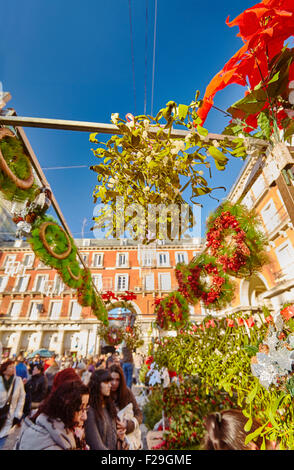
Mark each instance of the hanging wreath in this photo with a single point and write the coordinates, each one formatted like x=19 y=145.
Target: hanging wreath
x=55 y=248
x=235 y=240
x=172 y=312
x=17 y=180
x=203 y=280
x=112 y=335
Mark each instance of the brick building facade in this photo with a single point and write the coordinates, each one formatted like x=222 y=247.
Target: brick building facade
x=39 y=311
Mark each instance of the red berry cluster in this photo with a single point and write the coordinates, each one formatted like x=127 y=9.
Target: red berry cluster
x=216 y=242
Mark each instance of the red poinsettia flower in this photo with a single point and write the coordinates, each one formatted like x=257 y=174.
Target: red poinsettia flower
x=230 y=322
x=240 y=321
x=288 y=312
x=128 y=296
x=250 y=322
x=269 y=319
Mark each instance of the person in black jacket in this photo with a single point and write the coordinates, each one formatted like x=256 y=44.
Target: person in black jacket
x=36 y=389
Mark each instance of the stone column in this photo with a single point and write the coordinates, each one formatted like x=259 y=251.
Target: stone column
x=39 y=337
x=60 y=341
x=16 y=343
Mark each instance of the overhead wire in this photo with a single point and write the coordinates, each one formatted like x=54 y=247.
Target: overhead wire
x=146 y=58
x=154 y=53
x=133 y=57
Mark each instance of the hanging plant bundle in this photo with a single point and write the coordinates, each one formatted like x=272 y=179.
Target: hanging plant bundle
x=172 y=312
x=17 y=182
x=133 y=336
x=55 y=248
x=235 y=240
x=112 y=335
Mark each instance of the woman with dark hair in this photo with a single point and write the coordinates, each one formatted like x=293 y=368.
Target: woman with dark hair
x=122 y=396
x=102 y=426
x=53 y=425
x=225 y=431
x=12 y=394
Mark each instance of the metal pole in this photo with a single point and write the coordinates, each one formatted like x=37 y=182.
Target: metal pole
x=83 y=126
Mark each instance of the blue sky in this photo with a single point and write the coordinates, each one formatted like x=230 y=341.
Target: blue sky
x=72 y=60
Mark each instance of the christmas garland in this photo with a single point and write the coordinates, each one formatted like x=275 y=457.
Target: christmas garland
x=235 y=240
x=17 y=180
x=172 y=312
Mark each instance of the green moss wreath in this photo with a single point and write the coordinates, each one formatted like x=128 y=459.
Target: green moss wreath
x=172 y=312
x=52 y=253
x=16 y=175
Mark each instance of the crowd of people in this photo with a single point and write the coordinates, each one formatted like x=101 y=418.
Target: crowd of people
x=71 y=402
x=77 y=404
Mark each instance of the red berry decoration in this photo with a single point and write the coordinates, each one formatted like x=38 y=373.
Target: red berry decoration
x=172 y=312
x=235 y=240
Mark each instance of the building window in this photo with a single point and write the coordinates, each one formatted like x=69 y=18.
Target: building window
x=55 y=310
x=35 y=309
x=122 y=260
x=285 y=255
x=149 y=282
x=122 y=282
x=164 y=281
x=58 y=285
x=97 y=279
x=270 y=216
x=28 y=261
x=10 y=259
x=97 y=260
x=163 y=259
x=3 y=283
x=15 y=309
x=21 y=283
x=258 y=187
x=182 y=257
x=40 y=283
x=85 y=258
x=75 y=310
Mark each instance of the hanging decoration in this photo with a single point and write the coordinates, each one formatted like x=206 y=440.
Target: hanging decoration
x=17 y=182
x=203 y=280
x=172 y=312
x=112 y=335
x=235 y=240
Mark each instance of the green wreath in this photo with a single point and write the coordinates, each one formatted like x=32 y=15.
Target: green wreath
x=17 y=180
x=55 y=248
x=172 y=312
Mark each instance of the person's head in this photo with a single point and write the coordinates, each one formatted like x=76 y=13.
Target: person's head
x=68 y=402
x=37 y=369
x=65 y=375
x=7 y=368
x=118 y=384
x=37 y=358
x=100 y=388
x=20 y=358
x=225 y=431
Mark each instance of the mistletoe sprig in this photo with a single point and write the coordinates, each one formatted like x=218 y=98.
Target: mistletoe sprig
x=147 y=165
